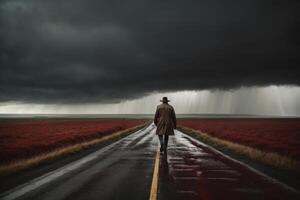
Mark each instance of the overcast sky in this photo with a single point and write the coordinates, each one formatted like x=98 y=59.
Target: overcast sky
x=70 y=52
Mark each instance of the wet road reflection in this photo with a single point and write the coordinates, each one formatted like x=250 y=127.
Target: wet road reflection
x=122 y=170
x=192 y=170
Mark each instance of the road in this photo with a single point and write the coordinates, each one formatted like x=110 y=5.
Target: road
x=125 y=170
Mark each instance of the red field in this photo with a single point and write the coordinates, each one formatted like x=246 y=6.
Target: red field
x=24 y=139
x=270 y=135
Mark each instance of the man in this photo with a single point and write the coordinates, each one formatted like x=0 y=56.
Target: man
x=165 y=120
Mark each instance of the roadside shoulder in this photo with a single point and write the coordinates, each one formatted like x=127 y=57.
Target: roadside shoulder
x=11 y=180
x=290 y=177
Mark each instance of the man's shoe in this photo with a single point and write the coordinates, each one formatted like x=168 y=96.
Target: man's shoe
x=161 y=149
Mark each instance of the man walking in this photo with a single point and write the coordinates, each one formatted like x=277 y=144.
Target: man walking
x=165 y=120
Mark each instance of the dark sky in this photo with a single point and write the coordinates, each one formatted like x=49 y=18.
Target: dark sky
x=75 y=51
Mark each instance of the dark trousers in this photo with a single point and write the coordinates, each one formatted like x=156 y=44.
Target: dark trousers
x=163 y=139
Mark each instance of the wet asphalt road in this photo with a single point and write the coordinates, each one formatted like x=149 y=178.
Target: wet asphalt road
x=192 y=170
x=124 y=170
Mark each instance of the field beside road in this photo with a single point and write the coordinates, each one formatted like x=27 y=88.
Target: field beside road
x=275 y=142
x=271 y=135
x=21 y=140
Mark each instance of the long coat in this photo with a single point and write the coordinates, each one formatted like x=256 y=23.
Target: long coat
x=165 y=119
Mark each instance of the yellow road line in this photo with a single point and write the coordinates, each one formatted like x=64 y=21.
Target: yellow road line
x=154 y=185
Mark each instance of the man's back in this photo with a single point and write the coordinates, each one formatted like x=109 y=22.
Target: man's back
x=165 y=118
x=165 y=111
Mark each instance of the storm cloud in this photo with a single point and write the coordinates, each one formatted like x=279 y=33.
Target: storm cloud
x=85 y=51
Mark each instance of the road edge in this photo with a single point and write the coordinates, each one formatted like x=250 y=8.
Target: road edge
x=14 y=179
x=35 y=183
x=241 y=161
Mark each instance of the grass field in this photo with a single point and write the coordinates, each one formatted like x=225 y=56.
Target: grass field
x=22 y=139
x=281 y=136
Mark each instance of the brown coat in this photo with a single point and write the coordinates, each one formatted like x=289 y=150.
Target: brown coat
x=165 y=119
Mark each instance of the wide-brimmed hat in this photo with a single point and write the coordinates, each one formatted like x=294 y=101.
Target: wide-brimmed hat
x=164 y=99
